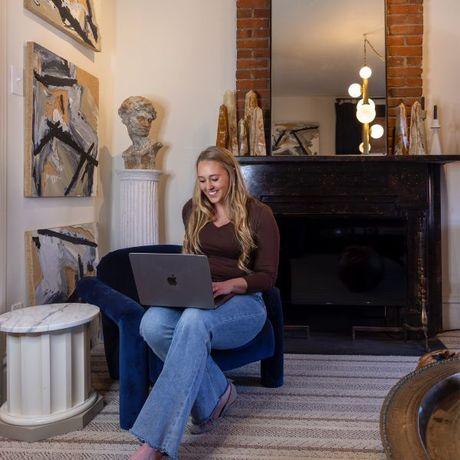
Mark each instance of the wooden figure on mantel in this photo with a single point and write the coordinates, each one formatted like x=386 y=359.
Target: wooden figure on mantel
x=253 y=117
x=401 y=138
x=138 y=113
x=246 y=138
x=222 y=127
x=417 y=138
x=230 y=104
x=227 y=134
x=243 y=143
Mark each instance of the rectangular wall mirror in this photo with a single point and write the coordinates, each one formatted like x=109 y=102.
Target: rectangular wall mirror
x=318 y=49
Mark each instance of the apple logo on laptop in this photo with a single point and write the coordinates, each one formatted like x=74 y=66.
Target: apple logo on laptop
x=172 y=280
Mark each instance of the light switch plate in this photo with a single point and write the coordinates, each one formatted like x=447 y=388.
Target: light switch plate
x=16 y=81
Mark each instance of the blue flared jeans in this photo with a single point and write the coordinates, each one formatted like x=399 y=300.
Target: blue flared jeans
x=191 y=382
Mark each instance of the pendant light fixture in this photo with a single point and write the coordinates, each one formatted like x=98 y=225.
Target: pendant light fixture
x=365 y=108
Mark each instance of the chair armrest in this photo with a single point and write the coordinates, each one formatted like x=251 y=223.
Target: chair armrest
x=114 y=269
x=115 y=305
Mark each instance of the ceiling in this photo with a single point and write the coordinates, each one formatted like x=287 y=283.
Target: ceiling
x=317 y=46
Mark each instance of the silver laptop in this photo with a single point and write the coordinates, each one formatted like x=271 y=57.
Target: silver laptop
x=174 y=280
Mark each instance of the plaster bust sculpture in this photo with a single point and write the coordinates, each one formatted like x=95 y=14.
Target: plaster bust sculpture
x=138 y=113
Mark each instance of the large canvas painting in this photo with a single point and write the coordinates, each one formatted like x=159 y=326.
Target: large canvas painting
x=61 y=142
x=295 y=139
x=74 y=17
x=57 y=258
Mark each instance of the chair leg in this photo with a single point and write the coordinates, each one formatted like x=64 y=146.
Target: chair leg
x=272 y=371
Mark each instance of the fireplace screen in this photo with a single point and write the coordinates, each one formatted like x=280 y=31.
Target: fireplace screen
x=330 y=261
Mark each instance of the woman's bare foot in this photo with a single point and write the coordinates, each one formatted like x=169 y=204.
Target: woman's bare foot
x=145 y=452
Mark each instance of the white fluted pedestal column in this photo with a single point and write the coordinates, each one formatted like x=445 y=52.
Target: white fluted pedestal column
x=49 y=388
x=138 y=207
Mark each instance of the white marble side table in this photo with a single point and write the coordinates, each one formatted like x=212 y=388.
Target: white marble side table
x=48 y=371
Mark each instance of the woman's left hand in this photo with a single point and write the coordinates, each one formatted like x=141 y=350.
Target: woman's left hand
x=235 y=285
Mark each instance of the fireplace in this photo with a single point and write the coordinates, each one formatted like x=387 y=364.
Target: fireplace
x=340 y=272
x=343 y=261
x=360 y=236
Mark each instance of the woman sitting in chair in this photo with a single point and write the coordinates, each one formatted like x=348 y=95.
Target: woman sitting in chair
x=240 y=237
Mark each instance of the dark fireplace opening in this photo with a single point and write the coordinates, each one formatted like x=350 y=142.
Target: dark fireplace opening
x=339 y=272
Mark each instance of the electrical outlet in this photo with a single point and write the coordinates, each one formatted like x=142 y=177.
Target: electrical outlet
x=16 y=81
x=16 y=306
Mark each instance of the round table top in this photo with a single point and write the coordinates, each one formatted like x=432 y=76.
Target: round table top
x=45 y=318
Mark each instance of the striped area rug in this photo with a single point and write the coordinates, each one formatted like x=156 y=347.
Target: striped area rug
x=328 y=409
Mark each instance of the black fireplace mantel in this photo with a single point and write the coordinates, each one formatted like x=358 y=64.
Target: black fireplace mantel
x=434 y=159
x=375 y=186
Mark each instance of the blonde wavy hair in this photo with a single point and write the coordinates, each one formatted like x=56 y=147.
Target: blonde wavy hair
x=237 y=199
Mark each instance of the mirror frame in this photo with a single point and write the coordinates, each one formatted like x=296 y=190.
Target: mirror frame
x=403 y=52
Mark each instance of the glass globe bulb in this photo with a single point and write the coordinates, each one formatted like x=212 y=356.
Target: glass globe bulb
x=369 y=101
x=354 y=90
x=377 y=131
x=365 y=113
x=361 y=147
x=365 y=72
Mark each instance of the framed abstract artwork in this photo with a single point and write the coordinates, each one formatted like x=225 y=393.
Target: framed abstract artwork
x=300 y=138
x=61 y=141
x=57 y=258
x=76 y=18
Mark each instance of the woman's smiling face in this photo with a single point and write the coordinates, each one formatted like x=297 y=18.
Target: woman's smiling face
x=214 y=180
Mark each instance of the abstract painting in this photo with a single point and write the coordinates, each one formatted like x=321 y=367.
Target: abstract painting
x=74 y=17
x=61 y=140
x=298 y=138
x=57 y=258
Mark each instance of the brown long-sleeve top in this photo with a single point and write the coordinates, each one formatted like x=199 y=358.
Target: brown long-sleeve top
x=221 y=247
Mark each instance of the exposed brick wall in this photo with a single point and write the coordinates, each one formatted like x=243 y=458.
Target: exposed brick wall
x=404 y=35
x=253 y=34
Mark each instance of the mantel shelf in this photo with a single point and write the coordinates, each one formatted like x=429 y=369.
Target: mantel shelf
x=434 y=159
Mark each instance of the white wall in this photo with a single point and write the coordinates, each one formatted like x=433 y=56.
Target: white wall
x=441 y=69
x=309 y=108
x=31 y=213
x=181 y=55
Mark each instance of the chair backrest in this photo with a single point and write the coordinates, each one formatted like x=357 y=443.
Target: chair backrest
x=114 y=269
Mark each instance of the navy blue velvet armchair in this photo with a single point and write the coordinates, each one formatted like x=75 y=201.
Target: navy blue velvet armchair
x=129 y=359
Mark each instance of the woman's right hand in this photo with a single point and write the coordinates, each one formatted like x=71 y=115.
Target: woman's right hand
x=234 y=285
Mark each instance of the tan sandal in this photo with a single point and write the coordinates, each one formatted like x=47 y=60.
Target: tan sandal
x=225 y=401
